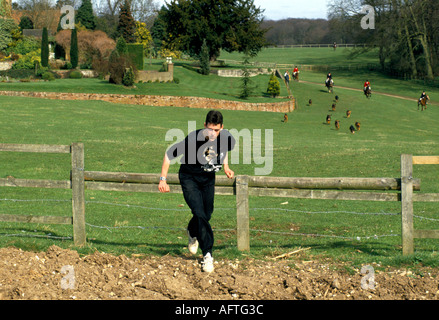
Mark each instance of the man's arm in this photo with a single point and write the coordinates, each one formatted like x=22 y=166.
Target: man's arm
x=229 y=173
x=163 y=185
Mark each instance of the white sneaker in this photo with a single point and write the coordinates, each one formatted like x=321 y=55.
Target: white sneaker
x=208 y=263
x=193 y=243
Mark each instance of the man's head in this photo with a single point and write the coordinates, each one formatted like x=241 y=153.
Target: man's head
x=214 y=117
x=213 y=124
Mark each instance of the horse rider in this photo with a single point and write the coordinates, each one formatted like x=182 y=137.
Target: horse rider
x=295 y=72
x=424 y=95
x=366 y=84
x=328 y=78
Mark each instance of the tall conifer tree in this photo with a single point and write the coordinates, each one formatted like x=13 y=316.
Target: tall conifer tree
x=127 y=26
x=85 y=15
x=45 y=48
x=74 y=49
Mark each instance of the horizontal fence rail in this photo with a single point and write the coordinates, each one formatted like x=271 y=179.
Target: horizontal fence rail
x=318 y=45
x=28 y=183
x=41 y=148
x=343 y=183
x=262 y=186
x=242 y=187
x=76 y=184
x=301 y=66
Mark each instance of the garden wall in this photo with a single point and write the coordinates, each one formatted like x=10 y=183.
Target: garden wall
x=237 y=73
x=153 y=76
x=162 y=101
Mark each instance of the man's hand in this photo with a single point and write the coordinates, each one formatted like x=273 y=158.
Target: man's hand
x=163 y=186
x=229 y=173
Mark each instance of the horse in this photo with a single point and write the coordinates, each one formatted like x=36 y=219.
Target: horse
x=296 y=76
x=423 y=102
x=368 y=92
x=330 y=85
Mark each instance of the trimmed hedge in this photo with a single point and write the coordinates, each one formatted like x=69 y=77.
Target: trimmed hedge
x=75 y=74
x=18 y=73
x=135 y=52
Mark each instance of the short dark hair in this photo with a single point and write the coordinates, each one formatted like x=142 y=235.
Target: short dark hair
x=214 y=117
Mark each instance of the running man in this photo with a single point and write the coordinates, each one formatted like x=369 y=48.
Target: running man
x=204 y=152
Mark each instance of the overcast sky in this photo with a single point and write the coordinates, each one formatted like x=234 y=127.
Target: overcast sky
x=282 y=9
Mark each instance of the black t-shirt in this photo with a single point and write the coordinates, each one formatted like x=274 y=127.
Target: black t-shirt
x=200 y=155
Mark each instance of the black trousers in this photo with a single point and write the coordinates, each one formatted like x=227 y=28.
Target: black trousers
x=198 y=192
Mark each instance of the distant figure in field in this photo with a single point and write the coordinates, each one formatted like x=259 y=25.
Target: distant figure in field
x=329 y=82
x=287 y=78
x=352 y=129
x=423 y=100
x=367 y=89
x=329 y=75
x=285 y=118
x=328 y=119
x=296 y=74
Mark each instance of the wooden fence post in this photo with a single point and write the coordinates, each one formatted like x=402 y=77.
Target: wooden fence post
x=78 y=194
x=242 y=213
x=407 y=203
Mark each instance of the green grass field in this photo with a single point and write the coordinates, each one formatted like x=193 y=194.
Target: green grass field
x=311 y=56
x=131 y=138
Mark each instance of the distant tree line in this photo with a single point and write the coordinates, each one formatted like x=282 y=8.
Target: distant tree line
x=406 y=32
x=298 y=31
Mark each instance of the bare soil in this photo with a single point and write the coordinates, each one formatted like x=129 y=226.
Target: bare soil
x=44 y=276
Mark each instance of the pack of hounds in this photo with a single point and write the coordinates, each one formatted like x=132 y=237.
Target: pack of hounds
x=353 y=128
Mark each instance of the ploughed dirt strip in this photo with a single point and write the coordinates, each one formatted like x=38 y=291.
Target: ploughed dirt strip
x=62 y=274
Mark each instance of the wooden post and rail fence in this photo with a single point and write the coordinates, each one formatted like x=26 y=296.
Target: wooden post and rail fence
x=242 y=186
